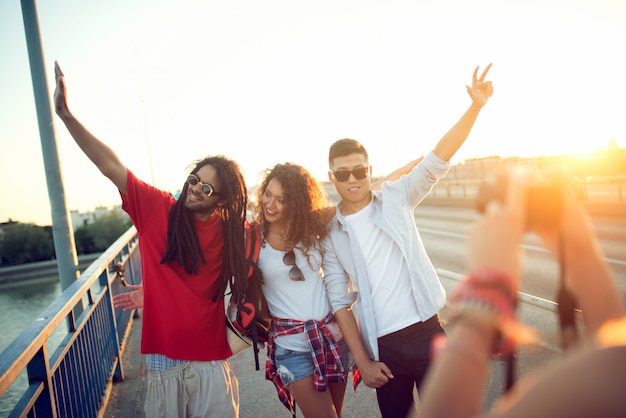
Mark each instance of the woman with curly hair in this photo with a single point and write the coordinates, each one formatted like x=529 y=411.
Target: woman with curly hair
x=308 y=361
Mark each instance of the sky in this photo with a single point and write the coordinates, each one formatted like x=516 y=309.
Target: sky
x=167 y=82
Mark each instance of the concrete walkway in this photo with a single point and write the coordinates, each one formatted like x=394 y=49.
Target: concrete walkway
x=258 y=397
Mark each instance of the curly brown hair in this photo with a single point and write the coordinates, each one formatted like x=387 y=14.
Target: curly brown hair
x=304 y=199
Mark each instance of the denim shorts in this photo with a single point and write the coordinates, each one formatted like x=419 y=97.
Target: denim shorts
x=292 y=365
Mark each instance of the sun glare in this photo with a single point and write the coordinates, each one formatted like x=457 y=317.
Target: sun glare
x=164 y=83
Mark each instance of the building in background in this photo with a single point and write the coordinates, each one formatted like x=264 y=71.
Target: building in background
x=85 y=218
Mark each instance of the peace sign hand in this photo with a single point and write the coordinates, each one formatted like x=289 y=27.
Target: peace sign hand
x=481 y=90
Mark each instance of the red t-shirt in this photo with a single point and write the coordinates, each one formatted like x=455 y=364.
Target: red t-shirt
x=180 y=319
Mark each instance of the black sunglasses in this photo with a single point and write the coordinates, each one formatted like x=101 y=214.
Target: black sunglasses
x=358 y=173
x=207 y=189
x=295 y=273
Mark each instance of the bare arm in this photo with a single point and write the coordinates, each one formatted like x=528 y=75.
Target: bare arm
x=588 y=276
x=328 y=213
x=480 y=91
x=374 y=373
x=461 y=368
x=98 y=152
x=395 y=175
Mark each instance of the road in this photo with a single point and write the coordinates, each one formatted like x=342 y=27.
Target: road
x=443 y=231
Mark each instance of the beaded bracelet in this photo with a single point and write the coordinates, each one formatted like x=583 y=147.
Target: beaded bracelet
x=488 y=296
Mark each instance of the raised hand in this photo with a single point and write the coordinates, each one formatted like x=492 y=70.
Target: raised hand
x=60 y=95
x=481 y=90
x=493 y=240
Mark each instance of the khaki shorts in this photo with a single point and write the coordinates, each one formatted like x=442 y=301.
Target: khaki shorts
x=195 y=389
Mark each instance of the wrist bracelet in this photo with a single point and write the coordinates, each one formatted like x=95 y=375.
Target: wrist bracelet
x=488 y=296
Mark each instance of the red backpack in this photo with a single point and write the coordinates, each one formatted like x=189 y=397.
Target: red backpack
x=249 y=320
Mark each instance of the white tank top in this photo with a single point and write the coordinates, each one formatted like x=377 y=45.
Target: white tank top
x=301 y=300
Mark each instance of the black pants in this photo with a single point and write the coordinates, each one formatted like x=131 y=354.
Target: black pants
x=407 y=354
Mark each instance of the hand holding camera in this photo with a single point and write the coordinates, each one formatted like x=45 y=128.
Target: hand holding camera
x=545 y=204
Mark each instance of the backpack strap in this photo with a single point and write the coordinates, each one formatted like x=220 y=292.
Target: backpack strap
x=253 y=246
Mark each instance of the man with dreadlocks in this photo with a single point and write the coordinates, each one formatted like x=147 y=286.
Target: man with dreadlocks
x=190 y=249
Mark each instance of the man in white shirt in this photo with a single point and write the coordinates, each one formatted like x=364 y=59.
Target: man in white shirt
x=375 y=244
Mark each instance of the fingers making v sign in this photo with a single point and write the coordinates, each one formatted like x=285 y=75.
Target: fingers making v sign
x=481 y=90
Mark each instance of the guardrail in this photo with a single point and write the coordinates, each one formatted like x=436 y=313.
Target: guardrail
x=596 y=189
x=602 y=196
x=39 y=271
x=74 y=378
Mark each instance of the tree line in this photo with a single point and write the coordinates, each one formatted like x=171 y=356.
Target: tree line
x=27 y=243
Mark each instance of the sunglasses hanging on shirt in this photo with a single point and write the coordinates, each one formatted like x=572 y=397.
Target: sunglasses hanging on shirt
x=295 y=273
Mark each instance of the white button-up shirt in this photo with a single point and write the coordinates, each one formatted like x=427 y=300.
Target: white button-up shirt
x=394 y=214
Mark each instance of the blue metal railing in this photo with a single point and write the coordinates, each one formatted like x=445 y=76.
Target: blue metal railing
x=74 y=378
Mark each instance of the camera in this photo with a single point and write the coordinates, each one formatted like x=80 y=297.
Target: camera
x=544 y=200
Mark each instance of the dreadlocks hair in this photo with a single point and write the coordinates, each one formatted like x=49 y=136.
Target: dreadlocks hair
x=182 y=238
x=304 y=198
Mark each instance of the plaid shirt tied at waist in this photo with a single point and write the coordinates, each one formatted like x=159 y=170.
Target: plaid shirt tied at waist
x=324 y=350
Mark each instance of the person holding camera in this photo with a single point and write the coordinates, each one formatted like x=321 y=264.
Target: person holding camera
x=589 y=380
